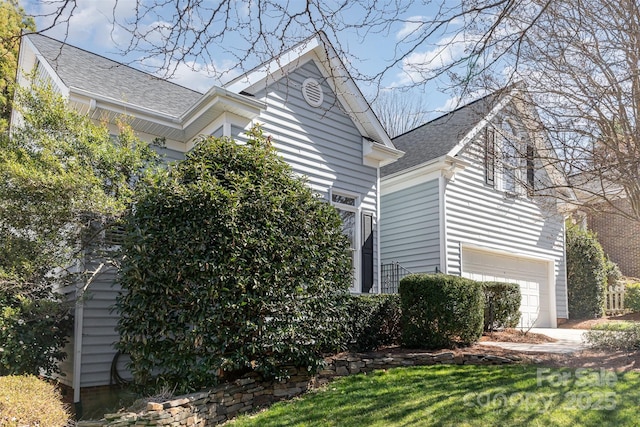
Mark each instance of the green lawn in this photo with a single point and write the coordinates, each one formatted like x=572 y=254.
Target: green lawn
x=618 y=325
x=451 y=395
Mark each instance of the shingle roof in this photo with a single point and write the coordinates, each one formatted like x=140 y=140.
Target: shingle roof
x=437 y=137
x=87 y=71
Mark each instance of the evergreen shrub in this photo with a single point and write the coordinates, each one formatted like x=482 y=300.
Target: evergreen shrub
x=586 y=274
x=374 y=321
x=30 y=401
x=231 y=264
x=502 y=305
x=440 y=310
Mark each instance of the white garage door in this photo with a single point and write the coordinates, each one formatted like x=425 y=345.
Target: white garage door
x=531 y=275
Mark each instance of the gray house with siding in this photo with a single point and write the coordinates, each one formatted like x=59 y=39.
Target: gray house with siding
x=305 y=100
x=464 y=201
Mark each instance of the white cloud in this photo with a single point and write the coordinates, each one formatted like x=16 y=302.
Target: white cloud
x=411 y=25
x=90 y=25
x=195 y=75
x=418 y=67
x=456 y=102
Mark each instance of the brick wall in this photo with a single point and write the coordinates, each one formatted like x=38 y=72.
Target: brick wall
x=619 y=237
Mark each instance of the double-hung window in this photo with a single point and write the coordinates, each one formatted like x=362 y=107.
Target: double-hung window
x=509 y=160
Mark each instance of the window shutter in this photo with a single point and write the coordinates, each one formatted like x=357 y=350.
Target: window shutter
x=490 y=155
x=367 y=252
x=531 y=172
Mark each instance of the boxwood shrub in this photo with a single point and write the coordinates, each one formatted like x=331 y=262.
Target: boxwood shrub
x=374 y=321
x=440 y=311
x=501 y=305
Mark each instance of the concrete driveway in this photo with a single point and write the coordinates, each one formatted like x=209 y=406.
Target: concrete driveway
x=567 y=341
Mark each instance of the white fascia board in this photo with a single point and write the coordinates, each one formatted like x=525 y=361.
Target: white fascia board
x=320 y=50
x=481 y=124
x=64 y=89
x=269 y=69
x=377 y=155
x=240 y=104
x=124 y=108
x=445 y=166
x=350 y=94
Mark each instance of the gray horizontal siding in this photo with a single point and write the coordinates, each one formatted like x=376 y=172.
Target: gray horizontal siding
x=478 y=214
x=99 y=330
x=322 y=145
x=168 y=154
x=410 y=231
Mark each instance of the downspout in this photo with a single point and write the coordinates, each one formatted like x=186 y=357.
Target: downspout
x=77 y=345
x=77 y=338
x=378 y=231
x=444 y=264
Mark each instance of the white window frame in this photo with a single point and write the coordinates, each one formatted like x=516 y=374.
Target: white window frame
x=357 y=250
x=510 y=139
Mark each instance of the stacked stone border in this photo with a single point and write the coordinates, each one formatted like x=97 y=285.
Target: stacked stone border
x=219 y=404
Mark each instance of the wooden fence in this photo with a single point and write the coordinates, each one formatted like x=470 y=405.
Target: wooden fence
x=614 y=300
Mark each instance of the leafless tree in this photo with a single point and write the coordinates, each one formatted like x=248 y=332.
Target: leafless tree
x=463 y=38
x=581 y=65
x=578 y=58
x=399 y=112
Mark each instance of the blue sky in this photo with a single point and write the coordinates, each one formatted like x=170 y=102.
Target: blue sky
x=90 y=28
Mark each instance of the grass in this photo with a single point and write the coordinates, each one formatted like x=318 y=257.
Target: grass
x=620 y=325
x=452 y=395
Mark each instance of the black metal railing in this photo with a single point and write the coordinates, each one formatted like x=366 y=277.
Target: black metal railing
x=392 y=273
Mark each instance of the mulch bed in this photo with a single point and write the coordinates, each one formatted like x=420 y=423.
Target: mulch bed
x=589 y=323
x=621 y=361
x=516 y=335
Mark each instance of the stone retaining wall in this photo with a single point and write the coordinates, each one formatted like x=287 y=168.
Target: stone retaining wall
x=212 y=407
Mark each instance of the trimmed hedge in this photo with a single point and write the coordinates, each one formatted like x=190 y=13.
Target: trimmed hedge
x=586 y=274
x=439 y=311
x=501 y=305
x=374 y=321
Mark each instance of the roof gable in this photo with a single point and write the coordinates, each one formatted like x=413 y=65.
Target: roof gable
x=319 y=49
x=445 y=135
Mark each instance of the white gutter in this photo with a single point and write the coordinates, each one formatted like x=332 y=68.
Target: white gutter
x=77 y=343
x=378 y=204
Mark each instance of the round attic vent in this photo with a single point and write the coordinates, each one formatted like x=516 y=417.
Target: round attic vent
x=312 y=92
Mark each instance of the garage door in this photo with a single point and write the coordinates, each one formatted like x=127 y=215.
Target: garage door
x=531 y=275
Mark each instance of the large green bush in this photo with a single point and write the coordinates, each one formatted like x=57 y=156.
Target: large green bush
x=439 y=310
x=61 y=175
x=30 y=401
x=632 y=296
x=34 y=327
x=374 y=321
x=231 y=263
x=614 y=275
x=501 y=305
x=586 y=274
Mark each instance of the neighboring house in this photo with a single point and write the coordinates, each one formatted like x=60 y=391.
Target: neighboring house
x=318 y=120
x=618 y=235
x=463 y=201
